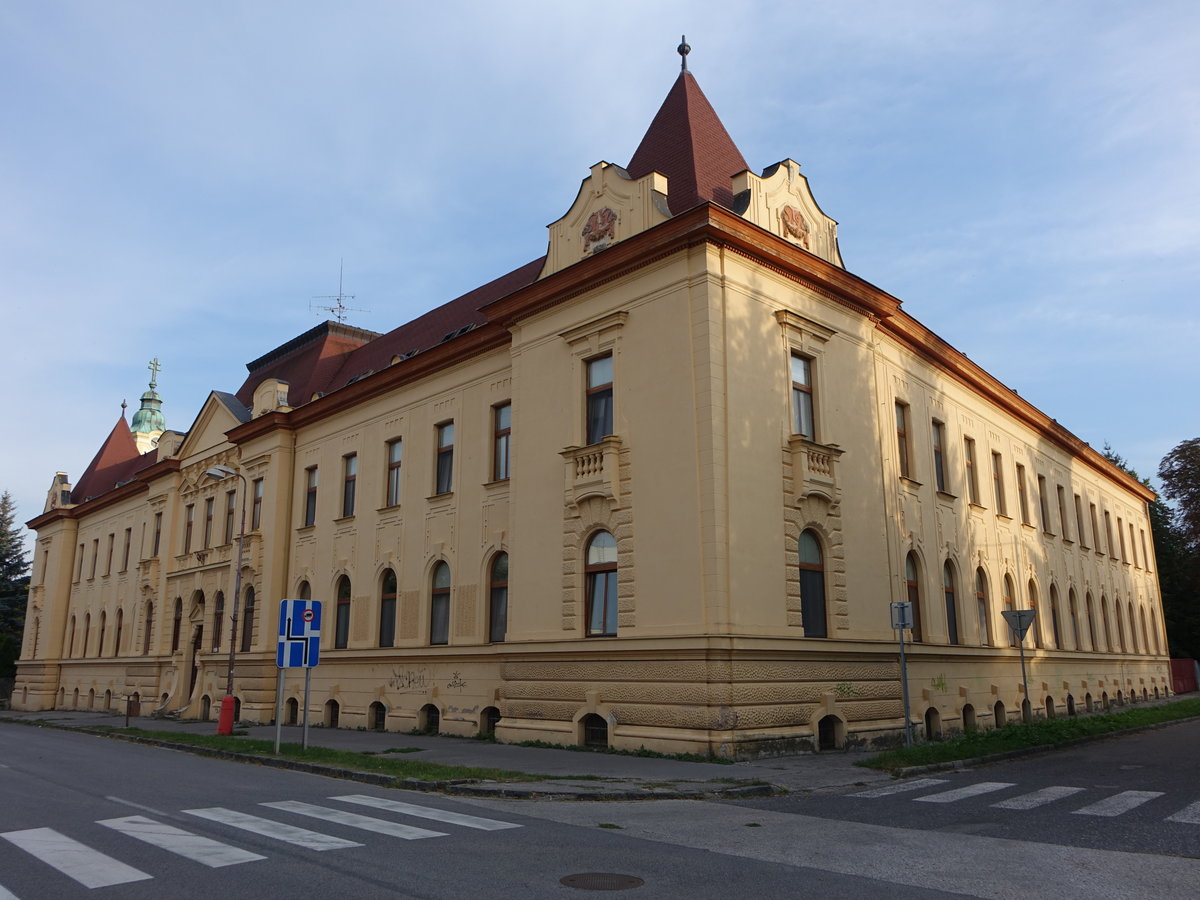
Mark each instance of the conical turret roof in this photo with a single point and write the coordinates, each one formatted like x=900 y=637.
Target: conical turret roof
x=687 y=143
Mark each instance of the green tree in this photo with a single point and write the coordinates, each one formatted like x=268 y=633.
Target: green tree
x=14 y=586
x=1180 y=475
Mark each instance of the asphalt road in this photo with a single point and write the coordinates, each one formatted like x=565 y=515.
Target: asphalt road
x=82 y=815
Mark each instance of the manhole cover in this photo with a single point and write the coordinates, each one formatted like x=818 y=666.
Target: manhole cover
x=601 y=881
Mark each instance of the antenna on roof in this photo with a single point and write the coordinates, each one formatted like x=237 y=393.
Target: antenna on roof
x=338 y=309
x=683 y=50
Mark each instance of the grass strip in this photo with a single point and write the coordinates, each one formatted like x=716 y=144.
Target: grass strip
x=1034 y=734
x=343 y=759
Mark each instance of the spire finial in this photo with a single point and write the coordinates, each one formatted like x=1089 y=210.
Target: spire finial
x=683 y=49
x=154 y=368
x=124 y=406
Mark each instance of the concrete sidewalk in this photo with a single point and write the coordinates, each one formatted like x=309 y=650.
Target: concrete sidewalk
x=575 y=774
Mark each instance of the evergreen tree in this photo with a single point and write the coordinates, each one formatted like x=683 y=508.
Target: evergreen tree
x=14 y=586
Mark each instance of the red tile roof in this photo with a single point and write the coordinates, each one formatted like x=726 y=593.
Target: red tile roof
x=116 y=462
x=687 y=143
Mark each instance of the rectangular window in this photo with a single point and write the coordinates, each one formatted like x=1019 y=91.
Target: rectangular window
x=998 y=483
x=1095 y=528
x=1133 y=546
x=256 y=494
x=599 y=398
x=969 y=465
x=208 y=519
x=189 y=521
x=1080 y=531
x=1121 y=537
x=445 y=458
x=939 y=455
x=1062 y=512
x=112 y=539
x=230 y=506
x=1108 y=533
x=902 y=440
x=349 y=478
x=157 y=533
x=1145 y=555
x=1044 y=505
x=125 y=551
x=310 y=496
x=79 y=564
x=802 y=398
x=95 y=557
x=1023 y=494
x=395 y=454
x=501 y=441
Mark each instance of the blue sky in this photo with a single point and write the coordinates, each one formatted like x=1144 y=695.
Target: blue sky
x=179 y=180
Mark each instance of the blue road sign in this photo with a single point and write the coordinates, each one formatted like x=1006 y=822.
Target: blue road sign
x=299 y=634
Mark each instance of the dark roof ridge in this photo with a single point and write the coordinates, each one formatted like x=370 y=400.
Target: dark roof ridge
x=328 y=328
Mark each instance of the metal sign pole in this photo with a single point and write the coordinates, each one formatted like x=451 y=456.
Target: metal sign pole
x=904 y=687
x=307 y=682
x=278 y=709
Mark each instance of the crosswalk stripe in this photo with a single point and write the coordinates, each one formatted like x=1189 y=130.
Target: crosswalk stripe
x=1118 y=803
x=1189 y=815
x=1037 y=798
x=366 y=823
x=301 y=837
x=6 y=894
x=901 y=787
x=89 y=867
x=427 y=812
x=195 y=847
x=962 y=793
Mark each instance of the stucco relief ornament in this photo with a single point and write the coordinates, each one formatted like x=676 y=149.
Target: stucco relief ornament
x=794 y=225
x=601 y=228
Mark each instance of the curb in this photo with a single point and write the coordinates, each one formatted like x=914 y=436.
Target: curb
x=960 y=764
x=466 y=787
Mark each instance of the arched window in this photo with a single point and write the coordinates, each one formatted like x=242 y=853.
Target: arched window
x=1036 y=627
x=149 y=627
x=601 y=574
x=1010 y=603
x=1090 y=611
x=177 y=624
x=305 y=591
x=248 y=620
x=498 y=599
x=1141 y=616
x=1120 y=624
x=218 y=619
x=121 y=625
x=981 y=608
x=812 y=586
x=70 y=648
x=341 y=626
x=951 y=602
x=912 y=582
x=1055 y=623
x=103 y=626
x=1073 y=614
x=1108 y=641
x=387 y=609
x=439 y=606
x=1133 y=635
x=1153 y=630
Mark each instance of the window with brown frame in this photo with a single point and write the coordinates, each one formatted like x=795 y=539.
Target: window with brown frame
x=1080 y=531
x=230 y=507
x=256 y=500
x=1010 y=603
x=912 y=584
x=341 y=625
x=349 y=481
x=112 y=539
x=218 y=617
x=125 y=549
x=1023 y=495
x=248 y=620
x=395 y=455
x=149 y=627
x=439 y=605
x=972 y=475
x=501 y=441
x=599 y=398
x=1062 y=512
x=948 y=583
x=998 y=483
x=1095 y=528
x=981 y=608
x=813 y=614
x=600 y=572
x=1044 y=505
x=157 y=534
x=902 y=447
x=387 y=609
x=445 y=458
x=208 y=522
x=803 y=422
x=939 y=455
x=95 y=557
x=310 y=496
x=498 y=599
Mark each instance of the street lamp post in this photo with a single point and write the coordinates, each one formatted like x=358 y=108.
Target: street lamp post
x=225 y=721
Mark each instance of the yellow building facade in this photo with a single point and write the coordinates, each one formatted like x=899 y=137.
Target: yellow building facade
x=658 y=488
